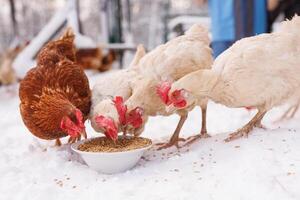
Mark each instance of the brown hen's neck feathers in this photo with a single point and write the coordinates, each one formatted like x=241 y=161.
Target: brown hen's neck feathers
x=55 y=107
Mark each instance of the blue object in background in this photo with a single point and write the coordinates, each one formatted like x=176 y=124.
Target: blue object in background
x=260 y=16
x=232 y=20
x=222 y=19
x=220 y=46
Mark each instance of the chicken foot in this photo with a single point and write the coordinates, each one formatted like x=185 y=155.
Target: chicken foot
x=175 y=137
x=203 y=132
x=57 y=143
x=124 y=130
x=74 y=139
x=244 y=131
x=290 y=113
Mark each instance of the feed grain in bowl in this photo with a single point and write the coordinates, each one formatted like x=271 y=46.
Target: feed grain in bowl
x=103 y=144
x=105 y=156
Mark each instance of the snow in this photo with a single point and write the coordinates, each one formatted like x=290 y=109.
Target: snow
x=266 y=165
x=24 y=60
x=82 y=41
x=119 y=46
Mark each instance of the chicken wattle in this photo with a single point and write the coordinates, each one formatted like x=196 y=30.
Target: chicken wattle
x=176 y=98
x=121 y=109
x=71 y=127
x=162 y=90
x=134 y=117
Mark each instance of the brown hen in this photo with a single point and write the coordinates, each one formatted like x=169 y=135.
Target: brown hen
x=93 y=58
x=55 y=95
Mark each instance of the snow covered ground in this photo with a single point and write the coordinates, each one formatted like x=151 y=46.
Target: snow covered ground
x=266 y=165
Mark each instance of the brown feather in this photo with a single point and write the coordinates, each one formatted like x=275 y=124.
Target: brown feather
x=53 y=89
x=93 y=58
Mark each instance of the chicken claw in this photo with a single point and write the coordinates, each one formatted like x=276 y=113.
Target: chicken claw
x=175 y=137
x=238 y=134
x=203 y=133
x=78 y=138
x=194 y=138
x=72 y=140
x=172 y=142
x=289 y=113
x=84 y=134
x=57 y=143
x=244 y=131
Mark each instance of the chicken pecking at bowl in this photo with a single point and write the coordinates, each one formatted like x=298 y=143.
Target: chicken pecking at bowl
x=109 y=157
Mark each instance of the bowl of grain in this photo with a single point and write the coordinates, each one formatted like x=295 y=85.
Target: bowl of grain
x=106 y=156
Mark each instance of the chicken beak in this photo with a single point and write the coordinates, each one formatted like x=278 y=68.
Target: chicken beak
x=124 y=130
x=171 y=108
x=113 y=137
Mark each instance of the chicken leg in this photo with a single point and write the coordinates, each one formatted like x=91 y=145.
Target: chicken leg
x=203 y=132
x=290 y=113
x=57 y=142
x=74 y=139
x=175 y=137
x=124 y=130
x=244 y=131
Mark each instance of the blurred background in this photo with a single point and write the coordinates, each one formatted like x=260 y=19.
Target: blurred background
x=135 y=21
x=109 y=30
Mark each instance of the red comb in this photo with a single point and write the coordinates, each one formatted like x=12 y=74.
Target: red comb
x=105 y=122
x=134 y=117
x=177 y=98
x=121 y=108
x=79 y=117
x=162 y=90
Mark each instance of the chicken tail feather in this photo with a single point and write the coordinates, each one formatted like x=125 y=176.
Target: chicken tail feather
x=68 y=34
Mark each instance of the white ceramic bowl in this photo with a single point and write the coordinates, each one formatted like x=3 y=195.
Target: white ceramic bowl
x=110 y=162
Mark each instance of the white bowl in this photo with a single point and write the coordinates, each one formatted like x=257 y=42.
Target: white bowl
x=110 y=162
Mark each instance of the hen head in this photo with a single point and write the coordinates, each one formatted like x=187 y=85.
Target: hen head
x=73 y=124
x=132 y=118
x=108 y=125
x=111 y=126
x=168 y=97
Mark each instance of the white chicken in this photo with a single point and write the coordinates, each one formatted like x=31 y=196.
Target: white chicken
x=179 y=56
x=167 y=63
x=138 y=85
x=108 y=112
x=258 y=72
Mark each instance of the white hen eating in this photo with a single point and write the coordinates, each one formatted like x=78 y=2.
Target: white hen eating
x=258 y=72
